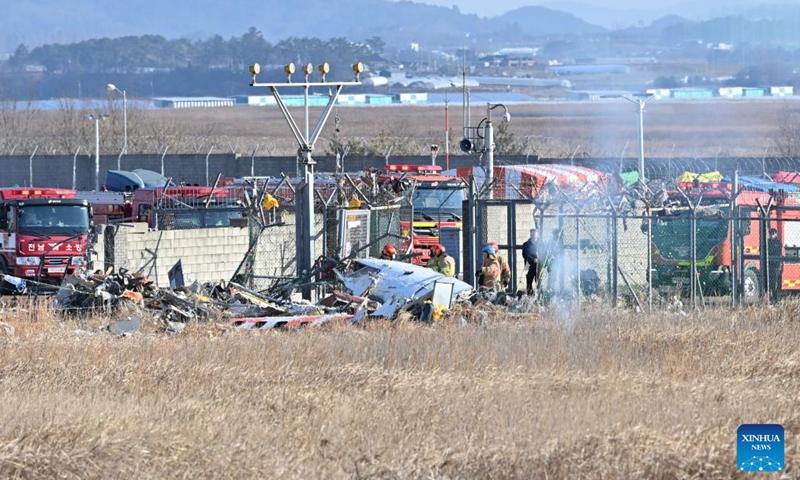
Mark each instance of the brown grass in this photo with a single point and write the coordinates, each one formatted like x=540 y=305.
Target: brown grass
x=598 y=129
x=604 y=394
x=551 y=130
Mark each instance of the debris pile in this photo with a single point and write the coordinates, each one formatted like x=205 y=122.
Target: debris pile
x=359 y=289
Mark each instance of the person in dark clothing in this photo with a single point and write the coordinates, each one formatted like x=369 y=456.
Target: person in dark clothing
x=774 y=264
x=530 y=254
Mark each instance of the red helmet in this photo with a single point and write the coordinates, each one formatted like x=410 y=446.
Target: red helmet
x=389 y=250
x=437 y=249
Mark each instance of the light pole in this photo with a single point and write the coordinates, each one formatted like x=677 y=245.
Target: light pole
x=446 y=132
x=638 y=99
x=306 y=139
x=465 y=110
x=111 y=88
x=488 y=141
x=96 y=119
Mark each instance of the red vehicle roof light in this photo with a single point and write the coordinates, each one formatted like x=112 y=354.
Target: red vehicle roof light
x=414 y=168
x=24 y=193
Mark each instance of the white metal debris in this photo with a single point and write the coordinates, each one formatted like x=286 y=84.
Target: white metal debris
x=397 y=285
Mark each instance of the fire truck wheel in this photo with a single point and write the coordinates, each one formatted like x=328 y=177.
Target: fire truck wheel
x=751 y=289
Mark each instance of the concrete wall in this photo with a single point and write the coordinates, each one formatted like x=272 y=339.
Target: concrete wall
x=207 y=254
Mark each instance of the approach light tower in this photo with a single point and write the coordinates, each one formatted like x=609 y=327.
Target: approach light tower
x=304 y=197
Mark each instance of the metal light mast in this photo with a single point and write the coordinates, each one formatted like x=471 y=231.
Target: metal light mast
x=304 y=197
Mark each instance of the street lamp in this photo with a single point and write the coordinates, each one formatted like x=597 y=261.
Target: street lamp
x=96 y=119
x=112 y=88
x=638 y=99
x=488 y=141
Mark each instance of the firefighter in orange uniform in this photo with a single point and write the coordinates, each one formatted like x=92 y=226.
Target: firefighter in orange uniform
x=389 y=252
x=490 y=274
x=505 y=270
x=442 y=262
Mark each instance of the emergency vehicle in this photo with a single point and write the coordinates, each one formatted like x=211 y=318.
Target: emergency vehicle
x=179 y=207
x=45 y=233
x=437 y=200
x=715 y=233
x=512 y=182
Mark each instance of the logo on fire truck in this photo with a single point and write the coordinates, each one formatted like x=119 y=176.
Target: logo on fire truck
x=44 y=247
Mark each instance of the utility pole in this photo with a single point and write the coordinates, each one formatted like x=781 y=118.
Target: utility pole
x=446 y=133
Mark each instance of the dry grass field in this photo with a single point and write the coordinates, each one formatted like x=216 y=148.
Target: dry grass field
x=605 y=394
x=552 y=129
x=597 y=129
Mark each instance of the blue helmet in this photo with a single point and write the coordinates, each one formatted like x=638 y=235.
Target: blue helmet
x=489 y=249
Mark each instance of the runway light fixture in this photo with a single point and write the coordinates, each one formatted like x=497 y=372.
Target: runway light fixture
x=308 y=69
x=324 y=69
x=358 y=68
x=289 y=69
x=255 y=69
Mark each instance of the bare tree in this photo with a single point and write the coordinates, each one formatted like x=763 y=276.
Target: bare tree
x=16 y=124
x=787 y=132
x=70 y=129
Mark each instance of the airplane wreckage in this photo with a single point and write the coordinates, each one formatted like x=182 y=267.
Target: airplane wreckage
x=360 y=289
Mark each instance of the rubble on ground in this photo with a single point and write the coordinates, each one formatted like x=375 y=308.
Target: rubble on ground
x=359 y=289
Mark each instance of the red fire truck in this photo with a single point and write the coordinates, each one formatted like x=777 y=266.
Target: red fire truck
x=170 y=208
x=714 y=240
x=437 y=199
x=45 y=232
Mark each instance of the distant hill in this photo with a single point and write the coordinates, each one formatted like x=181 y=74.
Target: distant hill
x=646 y=13
x=667 y=21
x=737 y=30
x=657 y=27
x=37 y=22
x=544 y=21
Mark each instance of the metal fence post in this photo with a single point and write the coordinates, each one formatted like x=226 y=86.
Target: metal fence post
x=649 y=259
x=693 y=256
x=511 y=233
x=578 y=257
x=470 y=220
x=614 y=258
x=560 y=248
x=325 y=229
x=30 y=165
x=304 y=247
x=735 y=251
x=762 y=251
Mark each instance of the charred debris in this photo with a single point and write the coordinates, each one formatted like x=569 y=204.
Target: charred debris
x=359 y=289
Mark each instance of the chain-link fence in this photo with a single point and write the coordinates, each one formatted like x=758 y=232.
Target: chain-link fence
x=181 y=219
x=272 y=257
x=345 y=224
x=695 y=251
